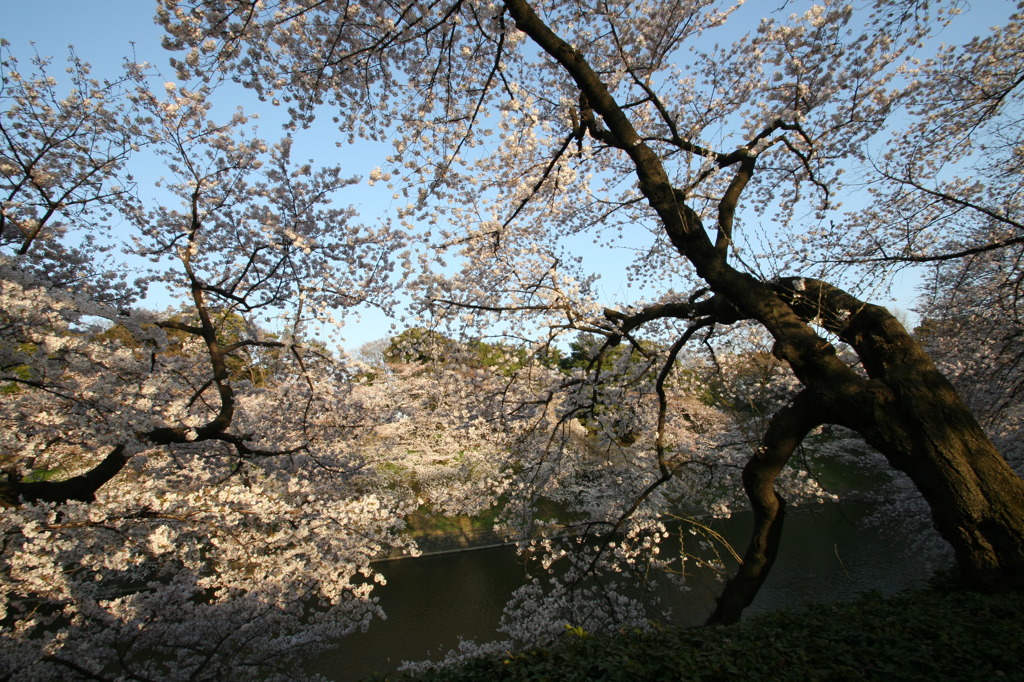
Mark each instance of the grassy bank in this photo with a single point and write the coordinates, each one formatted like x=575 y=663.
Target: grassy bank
x=942 y=633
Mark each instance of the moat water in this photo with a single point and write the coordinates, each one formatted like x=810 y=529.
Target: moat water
x=827 y=554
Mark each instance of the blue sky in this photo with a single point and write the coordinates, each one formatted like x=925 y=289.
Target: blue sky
x=101 y=30
x=103 y=33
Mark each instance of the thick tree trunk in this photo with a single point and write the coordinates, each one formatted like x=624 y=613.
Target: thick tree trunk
x=918 y=421
x=976 y=499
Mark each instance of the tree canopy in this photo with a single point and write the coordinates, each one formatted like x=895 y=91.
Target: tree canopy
x=760 y=172
x=519 y=127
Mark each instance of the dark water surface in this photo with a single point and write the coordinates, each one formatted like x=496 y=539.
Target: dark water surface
x=826 y=554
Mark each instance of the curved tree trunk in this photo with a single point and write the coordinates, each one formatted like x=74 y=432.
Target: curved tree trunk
x=976 y=499
x=911 y=414
x=923 y=428
x=788 y=428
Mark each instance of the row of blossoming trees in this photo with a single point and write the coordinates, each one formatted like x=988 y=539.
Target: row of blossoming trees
x=200 y=493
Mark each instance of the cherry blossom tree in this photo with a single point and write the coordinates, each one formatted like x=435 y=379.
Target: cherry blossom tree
x=63 y=163
x=184 y=493
x=522 y=130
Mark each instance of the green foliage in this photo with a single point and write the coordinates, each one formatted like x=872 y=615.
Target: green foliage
x=924 y=635
x=746 y=387
x=253 y=363
x=22 y=372
x=502 y=358
x=425 y=522
x=576 y=631
x=419 y=345
x=118 y=333
x=581 y=355
x=38 y=475
x=426 y=346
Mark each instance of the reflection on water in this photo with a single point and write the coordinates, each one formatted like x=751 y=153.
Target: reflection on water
x=429 y=602
x=826 y=554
